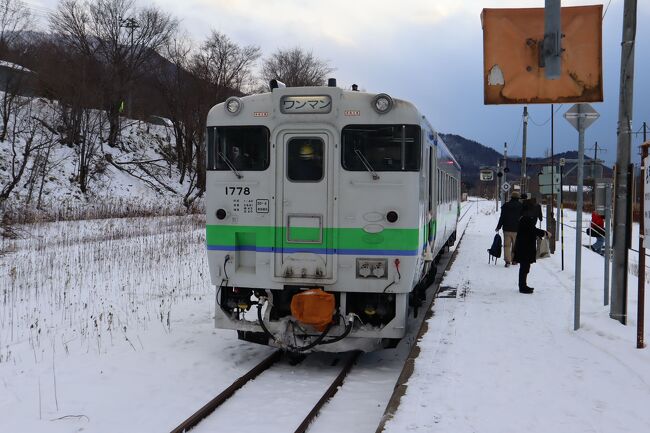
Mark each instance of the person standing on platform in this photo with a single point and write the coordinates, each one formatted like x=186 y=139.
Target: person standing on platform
x=535 y=209
x=509 y=221
x=526 y=246
x=597 y=230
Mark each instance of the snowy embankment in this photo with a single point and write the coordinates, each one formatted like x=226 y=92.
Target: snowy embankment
x=495 y=360
x=137 y=177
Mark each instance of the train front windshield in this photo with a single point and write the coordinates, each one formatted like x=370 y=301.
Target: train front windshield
x=384 y=147
x=246 y=148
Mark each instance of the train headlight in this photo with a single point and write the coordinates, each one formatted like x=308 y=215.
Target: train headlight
x=233 y=105
x=382 y=103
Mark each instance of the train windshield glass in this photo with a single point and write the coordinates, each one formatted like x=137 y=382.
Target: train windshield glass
x=381 y=147
x=245 y=148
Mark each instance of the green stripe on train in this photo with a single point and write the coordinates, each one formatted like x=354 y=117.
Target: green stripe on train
x=344 y=238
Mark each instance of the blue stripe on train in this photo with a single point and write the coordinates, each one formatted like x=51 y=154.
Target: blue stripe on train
x=349 y=252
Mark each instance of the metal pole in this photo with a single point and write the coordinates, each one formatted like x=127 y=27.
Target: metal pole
x=497 y=182
x=552 y=179
x=551 y=46
x=579 y=192
x=618 y=308
x=641 y=280
x=608 y=236
x=562 y=210
x=523 y=152
x=552 y=154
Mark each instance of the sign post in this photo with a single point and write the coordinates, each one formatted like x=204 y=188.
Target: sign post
x=581 y=116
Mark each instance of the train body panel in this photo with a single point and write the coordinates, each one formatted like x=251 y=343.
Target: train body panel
x=313 y=188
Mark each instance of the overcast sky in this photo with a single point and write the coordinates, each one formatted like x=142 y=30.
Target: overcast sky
x=429 y=52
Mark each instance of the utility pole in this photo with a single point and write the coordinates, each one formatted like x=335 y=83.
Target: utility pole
x=523 y=151
x=551 y=222
x=593 y=165
x=640 y=343
x=552 y=152
x=622 y=207
x=131 y=24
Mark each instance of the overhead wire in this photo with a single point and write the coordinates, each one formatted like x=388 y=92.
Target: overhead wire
x=606 y=9
x=530 y=117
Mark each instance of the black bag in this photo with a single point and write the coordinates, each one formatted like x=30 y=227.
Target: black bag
x=495 y=249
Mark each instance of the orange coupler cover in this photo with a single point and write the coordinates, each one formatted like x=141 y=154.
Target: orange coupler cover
x=313 y=307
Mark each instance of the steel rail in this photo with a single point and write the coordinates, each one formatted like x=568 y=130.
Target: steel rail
x=333 y=389
x=213 y=404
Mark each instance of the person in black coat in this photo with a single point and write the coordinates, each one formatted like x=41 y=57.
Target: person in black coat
x=534 y=210
x=526 y=246
x=509 y=221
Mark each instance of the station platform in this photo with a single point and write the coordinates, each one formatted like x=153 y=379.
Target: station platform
x=494 y=360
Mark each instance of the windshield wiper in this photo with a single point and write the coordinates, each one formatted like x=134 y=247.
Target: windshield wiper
x=230 y=165
x=366 y=164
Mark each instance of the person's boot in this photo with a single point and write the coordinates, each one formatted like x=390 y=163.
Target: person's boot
x=526 y=290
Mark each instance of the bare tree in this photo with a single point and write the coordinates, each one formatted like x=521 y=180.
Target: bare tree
x=10 y=99
x=92 y=125
x=200 y=78
x=14 y=19
x=179 y=89
x=296 y=67
x=226 y=65
x=25 y=139
x=121 y=37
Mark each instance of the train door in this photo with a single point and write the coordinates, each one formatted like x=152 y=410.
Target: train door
x=304 y=239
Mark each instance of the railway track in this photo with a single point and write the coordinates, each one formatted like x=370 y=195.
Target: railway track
x=211 y=407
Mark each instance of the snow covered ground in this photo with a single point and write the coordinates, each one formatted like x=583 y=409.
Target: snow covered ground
x=107 y=326
x=495 y=360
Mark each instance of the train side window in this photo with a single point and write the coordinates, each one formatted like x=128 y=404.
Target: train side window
x=382 y=147
x=305 y=159
x=246 y=148
x=430 y=179
x=446 y=187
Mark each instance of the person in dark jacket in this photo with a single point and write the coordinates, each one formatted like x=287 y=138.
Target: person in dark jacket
x=509 y=220
x=534 y=210
x=526 y=245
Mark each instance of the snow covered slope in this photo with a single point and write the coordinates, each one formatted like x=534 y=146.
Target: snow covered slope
x=136 y=178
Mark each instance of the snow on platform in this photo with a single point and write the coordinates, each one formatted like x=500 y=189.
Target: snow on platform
x=497 y=361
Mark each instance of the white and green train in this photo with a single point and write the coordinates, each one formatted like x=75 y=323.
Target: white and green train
x=324 y=202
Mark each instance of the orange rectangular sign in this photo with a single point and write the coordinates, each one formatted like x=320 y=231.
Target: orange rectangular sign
x=511 y=56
